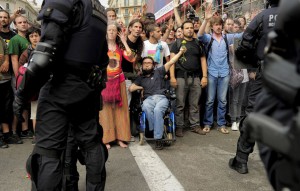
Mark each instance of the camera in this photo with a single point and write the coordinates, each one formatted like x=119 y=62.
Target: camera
x=190 y=15
x=22 y=11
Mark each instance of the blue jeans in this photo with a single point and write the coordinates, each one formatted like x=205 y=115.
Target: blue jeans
x=219 y=86
x=155 y=107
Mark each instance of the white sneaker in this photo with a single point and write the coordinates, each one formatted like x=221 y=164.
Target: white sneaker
x=234 y=127
x=238 y=125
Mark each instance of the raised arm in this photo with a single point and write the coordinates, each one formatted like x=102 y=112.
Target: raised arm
x=176 y=14
x=208 y=16
x=170 y=26
x=123 y=39
x=174 y=59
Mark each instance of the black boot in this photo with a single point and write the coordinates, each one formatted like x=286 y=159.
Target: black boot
x=241 y=168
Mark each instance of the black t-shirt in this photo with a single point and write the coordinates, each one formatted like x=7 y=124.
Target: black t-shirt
x=7 y=36
x=127 y=66
x=193 y=54
x=154 y=84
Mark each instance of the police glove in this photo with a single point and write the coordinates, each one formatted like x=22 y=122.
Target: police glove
x=18 y=107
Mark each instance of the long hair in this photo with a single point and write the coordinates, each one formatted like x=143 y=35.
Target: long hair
x=118 y=40
x=139 y=40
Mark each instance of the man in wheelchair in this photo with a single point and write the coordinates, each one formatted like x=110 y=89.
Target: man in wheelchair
x=155 y=103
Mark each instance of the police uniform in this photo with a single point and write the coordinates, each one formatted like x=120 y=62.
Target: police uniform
x=280 y=100
x=253 y=41
x=73 y=52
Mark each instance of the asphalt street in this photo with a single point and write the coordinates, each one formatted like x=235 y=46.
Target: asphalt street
x=192 y=163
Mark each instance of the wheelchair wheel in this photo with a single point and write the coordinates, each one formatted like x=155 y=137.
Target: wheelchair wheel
x=168 y=136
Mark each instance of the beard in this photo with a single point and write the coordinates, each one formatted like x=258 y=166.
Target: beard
x=5 y=25
x=148 y=71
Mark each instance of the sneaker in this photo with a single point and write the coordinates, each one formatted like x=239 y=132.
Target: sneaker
x=26 y=135
x=14 y=139
x=159 y=145
x=234 y=127
x=3 y=144
x=238 y=125
x=241 y=168
x=179 y=132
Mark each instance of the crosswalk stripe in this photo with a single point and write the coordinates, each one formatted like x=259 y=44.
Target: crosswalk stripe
x=154 y=170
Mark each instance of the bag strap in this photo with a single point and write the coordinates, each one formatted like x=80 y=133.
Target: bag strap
x=227 y=47
x=209 y=46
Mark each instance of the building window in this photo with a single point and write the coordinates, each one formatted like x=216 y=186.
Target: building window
x=117 y=11
x=7 y=6
x=135 y=10
x=126 y=12
x=126 y=3
x=135 y=2
x=126 y=22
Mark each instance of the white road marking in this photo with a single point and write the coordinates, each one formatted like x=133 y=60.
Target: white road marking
x=156 y=173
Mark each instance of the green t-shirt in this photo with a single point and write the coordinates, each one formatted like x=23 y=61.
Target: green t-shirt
x=17 y=45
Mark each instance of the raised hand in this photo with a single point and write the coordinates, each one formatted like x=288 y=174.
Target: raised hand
x=208 y=11
x=176 y=3
x=171 y=23
x=122 y=36
x=144 y=9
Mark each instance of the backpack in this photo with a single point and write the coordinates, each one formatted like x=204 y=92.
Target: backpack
x=22 y=70
x=21 y=73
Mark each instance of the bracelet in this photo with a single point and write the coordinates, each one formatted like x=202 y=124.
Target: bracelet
x=204 y=76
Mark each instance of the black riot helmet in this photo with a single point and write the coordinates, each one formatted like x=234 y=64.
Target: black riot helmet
x=289 y=18
x=271 y=3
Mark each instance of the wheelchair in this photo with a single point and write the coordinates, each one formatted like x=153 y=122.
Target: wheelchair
x=169 y=123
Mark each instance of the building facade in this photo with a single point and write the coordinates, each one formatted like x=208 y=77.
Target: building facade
x=30 y=6
x=125 y=8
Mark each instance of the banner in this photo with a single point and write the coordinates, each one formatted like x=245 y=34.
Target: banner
x=160 y=7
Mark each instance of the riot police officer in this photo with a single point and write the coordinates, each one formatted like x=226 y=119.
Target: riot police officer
x=275 y=123
x=67 y=64
x=252 y=46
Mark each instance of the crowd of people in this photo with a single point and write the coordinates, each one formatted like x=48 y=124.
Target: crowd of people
x=195 y=57
x=198 y=72
x=207 y=61
x=17 y=45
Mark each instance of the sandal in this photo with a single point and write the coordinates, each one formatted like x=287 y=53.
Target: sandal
x=223 y=130
x=206 y=129
x=198 y=130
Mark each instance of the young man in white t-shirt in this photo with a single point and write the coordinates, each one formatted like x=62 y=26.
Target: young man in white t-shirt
x=154 y=47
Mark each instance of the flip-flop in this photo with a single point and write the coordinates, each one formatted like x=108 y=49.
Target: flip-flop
x=223 y=130
x=206 y=129
x=198 y=130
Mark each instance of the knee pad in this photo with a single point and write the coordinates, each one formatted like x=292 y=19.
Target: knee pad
x=95 y=158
